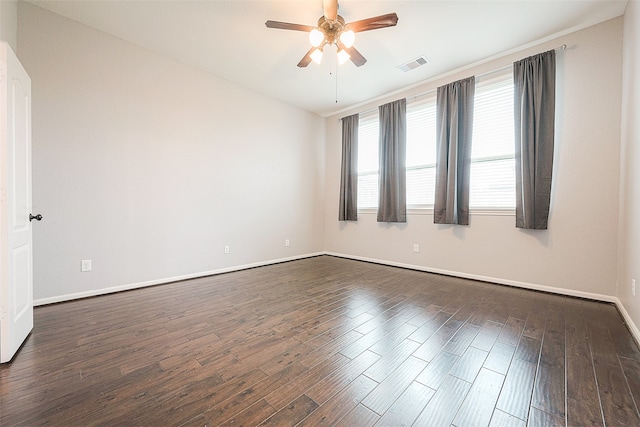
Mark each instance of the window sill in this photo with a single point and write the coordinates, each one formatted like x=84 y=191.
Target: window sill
x=493 y=212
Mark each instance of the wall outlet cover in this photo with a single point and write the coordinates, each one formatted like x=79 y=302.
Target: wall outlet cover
x=85 y=265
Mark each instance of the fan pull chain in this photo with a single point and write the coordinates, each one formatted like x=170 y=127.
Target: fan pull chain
x=331 y=73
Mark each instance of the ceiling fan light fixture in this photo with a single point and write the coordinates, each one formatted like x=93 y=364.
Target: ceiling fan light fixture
x=348 y=38
x=343 y=56
x=332 y=30
x=316 y=37
x=316 y=56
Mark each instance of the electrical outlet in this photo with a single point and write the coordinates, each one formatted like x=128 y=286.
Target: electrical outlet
x=416 y=247
x=633 y=287
x=286 y=242
x=226 y=249
x=85 y=265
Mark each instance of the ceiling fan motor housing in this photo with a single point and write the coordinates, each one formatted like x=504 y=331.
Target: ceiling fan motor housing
x=331 y=29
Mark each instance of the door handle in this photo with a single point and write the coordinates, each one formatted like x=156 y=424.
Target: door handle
x=37 y=217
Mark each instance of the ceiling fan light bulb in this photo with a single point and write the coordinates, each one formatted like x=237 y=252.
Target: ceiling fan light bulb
x=316 y=37
x=343 y=56
x=316 y=56
x=347 y=38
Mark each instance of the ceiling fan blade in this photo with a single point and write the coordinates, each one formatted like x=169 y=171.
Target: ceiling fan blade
x=330 y=8
x=306 y=60
x=382 y=21
x=288 y=26
x=355 y=56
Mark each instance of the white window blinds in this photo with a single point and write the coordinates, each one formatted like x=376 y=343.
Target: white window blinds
x=492 y=181
x=368 y=161
x=421 y=153
x=493 y=153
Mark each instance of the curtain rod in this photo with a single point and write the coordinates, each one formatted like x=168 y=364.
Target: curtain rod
x=414 y=97
x=563 y=47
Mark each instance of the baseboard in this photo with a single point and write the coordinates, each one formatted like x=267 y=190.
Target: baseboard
x=635 y=332
x=131 y=286
x=497 y=280
x=627 y=319
x=562 y=291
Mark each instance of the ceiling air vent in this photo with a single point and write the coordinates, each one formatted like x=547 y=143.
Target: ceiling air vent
x=414 y=63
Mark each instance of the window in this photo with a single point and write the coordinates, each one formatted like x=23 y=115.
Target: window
x=493 y=176
x=368 y=161
x=421 y=153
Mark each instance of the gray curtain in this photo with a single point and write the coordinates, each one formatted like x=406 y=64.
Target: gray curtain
x=534 y=110
x=454 y=121
x=392 y=176
x=349 y=171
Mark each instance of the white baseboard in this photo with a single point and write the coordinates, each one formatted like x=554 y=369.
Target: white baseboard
x=635 y=332
x=525 y=285
x=131 y=286
x=562 y=291
x=627 y=319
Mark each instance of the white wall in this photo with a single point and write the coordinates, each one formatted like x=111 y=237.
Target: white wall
x=149 y=167
x=127 y=144
x=629 y=254
x=9 y=23
x=577 y=254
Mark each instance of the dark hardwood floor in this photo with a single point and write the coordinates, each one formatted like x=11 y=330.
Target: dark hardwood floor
x=325 y=341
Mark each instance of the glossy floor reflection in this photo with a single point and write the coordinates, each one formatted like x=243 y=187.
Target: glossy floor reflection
x=325 y=341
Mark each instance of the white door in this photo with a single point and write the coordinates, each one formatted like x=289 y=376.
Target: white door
x=16 y=286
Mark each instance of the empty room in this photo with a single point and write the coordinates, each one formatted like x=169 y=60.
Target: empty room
x=312 y=212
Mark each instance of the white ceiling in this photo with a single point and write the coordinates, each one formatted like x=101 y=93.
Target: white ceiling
x=229 y=39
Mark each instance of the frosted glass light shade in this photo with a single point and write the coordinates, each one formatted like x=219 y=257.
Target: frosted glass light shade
x=316 y=37
x=316 y=56
x=343 y=57
x=347 y=38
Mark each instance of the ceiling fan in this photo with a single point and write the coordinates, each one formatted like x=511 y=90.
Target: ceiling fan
x=332 y=30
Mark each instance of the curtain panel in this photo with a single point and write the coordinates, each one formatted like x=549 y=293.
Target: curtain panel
x=534 y=111
x=454 y=121
x=349 y=169
x=392 y=176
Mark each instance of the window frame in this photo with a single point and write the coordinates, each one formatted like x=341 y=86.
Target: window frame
x=425 y=99
x=428 y=101
x=489 y=79
x=366 y=119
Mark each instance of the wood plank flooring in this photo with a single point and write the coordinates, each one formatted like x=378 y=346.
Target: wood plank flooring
x=325 y=341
